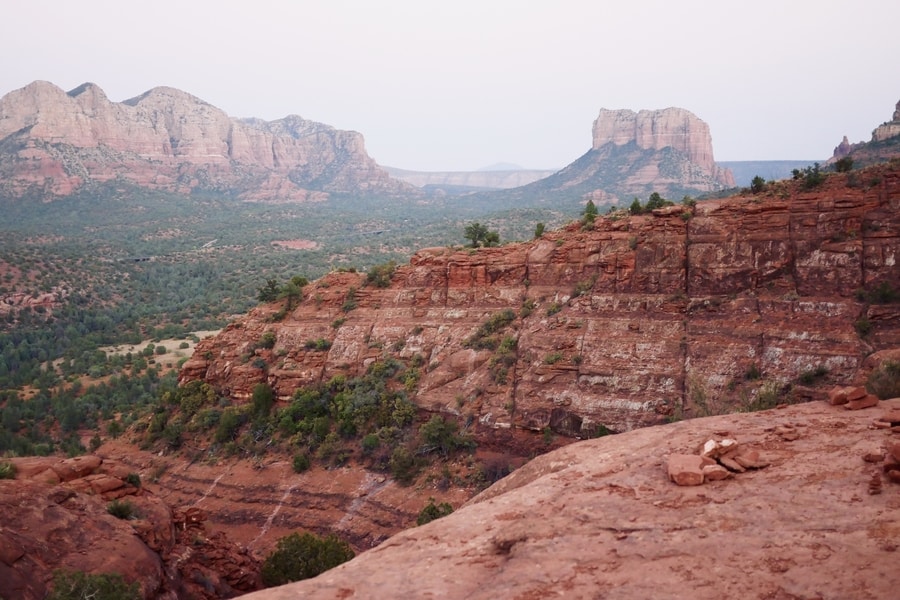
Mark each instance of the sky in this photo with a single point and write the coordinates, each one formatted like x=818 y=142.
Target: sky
x=462 y=84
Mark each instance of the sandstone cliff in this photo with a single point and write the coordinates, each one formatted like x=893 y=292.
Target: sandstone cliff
x=600 y=519
x=53 y=142
x=627 y=323
x=884 y=145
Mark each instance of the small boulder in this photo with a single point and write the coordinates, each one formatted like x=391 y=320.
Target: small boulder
x=867 y=401
x=686 y=469
x=715 y=473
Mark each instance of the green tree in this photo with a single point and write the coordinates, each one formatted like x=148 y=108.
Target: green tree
x=268 y=292
x=656 y=201
x=293 y=293
x=479 y=235
x=538 y=230
x=475 y=232
x=757 y=185
x=589 y=214
x=635 y=207
x=297 y=557
x=77 y=585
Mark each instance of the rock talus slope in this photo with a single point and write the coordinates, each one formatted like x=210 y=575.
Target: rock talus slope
x=600 y=519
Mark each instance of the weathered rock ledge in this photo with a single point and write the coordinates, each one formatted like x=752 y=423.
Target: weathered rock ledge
x=600 y=518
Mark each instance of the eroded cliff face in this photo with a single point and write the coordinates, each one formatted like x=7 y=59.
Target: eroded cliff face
x=624 y=324
x=675 y=128
x=53 y=142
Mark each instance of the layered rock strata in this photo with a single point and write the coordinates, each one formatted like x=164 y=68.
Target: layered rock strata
x=630 y=322
x=675 y=128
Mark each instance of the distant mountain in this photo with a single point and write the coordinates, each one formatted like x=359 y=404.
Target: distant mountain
x=667 y=151
x=884 y=145
x=54 y=142
x=455 y=182
x=502 y=166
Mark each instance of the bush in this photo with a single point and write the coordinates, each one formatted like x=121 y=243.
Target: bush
x=263 y=400
x=301 y=463
x=440 y=435
x=267 y=340
x=404 y=466
x=884 y=381
x=121 y=509
x=7 y=470
x=844 y=165
x=380 y=275
x=133 y=479
x=297 y=557
x=433 y=511
x=77 y=585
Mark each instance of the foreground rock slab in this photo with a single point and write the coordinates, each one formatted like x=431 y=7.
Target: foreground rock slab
x=600 y=519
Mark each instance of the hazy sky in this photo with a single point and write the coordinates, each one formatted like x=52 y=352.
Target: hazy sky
x=460 y=84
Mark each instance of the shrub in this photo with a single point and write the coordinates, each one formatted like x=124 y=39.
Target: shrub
x=553 y=309
x=433 y=511
x=267 y=340
x=553 y=358
x=7 y=470
x=121 y=509
x=300 y=463
x=133 y=479
x=538 y=230
x=844 y=165
x=380 y=275
x=863 y=326
x=404 y=466
x=77 y=585
x=319 y=345
x=297 y=557
x=884 y=381
x=440 y=435
x=483 y=338
x=263 y=400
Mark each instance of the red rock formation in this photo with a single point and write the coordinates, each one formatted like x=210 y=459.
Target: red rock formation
x=600 y=518
x=657 y=129
x=55 y=517
x=630 y=322
x=54 y=142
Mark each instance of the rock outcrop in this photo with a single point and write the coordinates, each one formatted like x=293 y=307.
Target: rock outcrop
x=56 y=516
x=53 y=142
x=600 y=518
x=884 y=145
x=890 y=129
x=674 y=128
x=630 y=322
x=633 y=155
